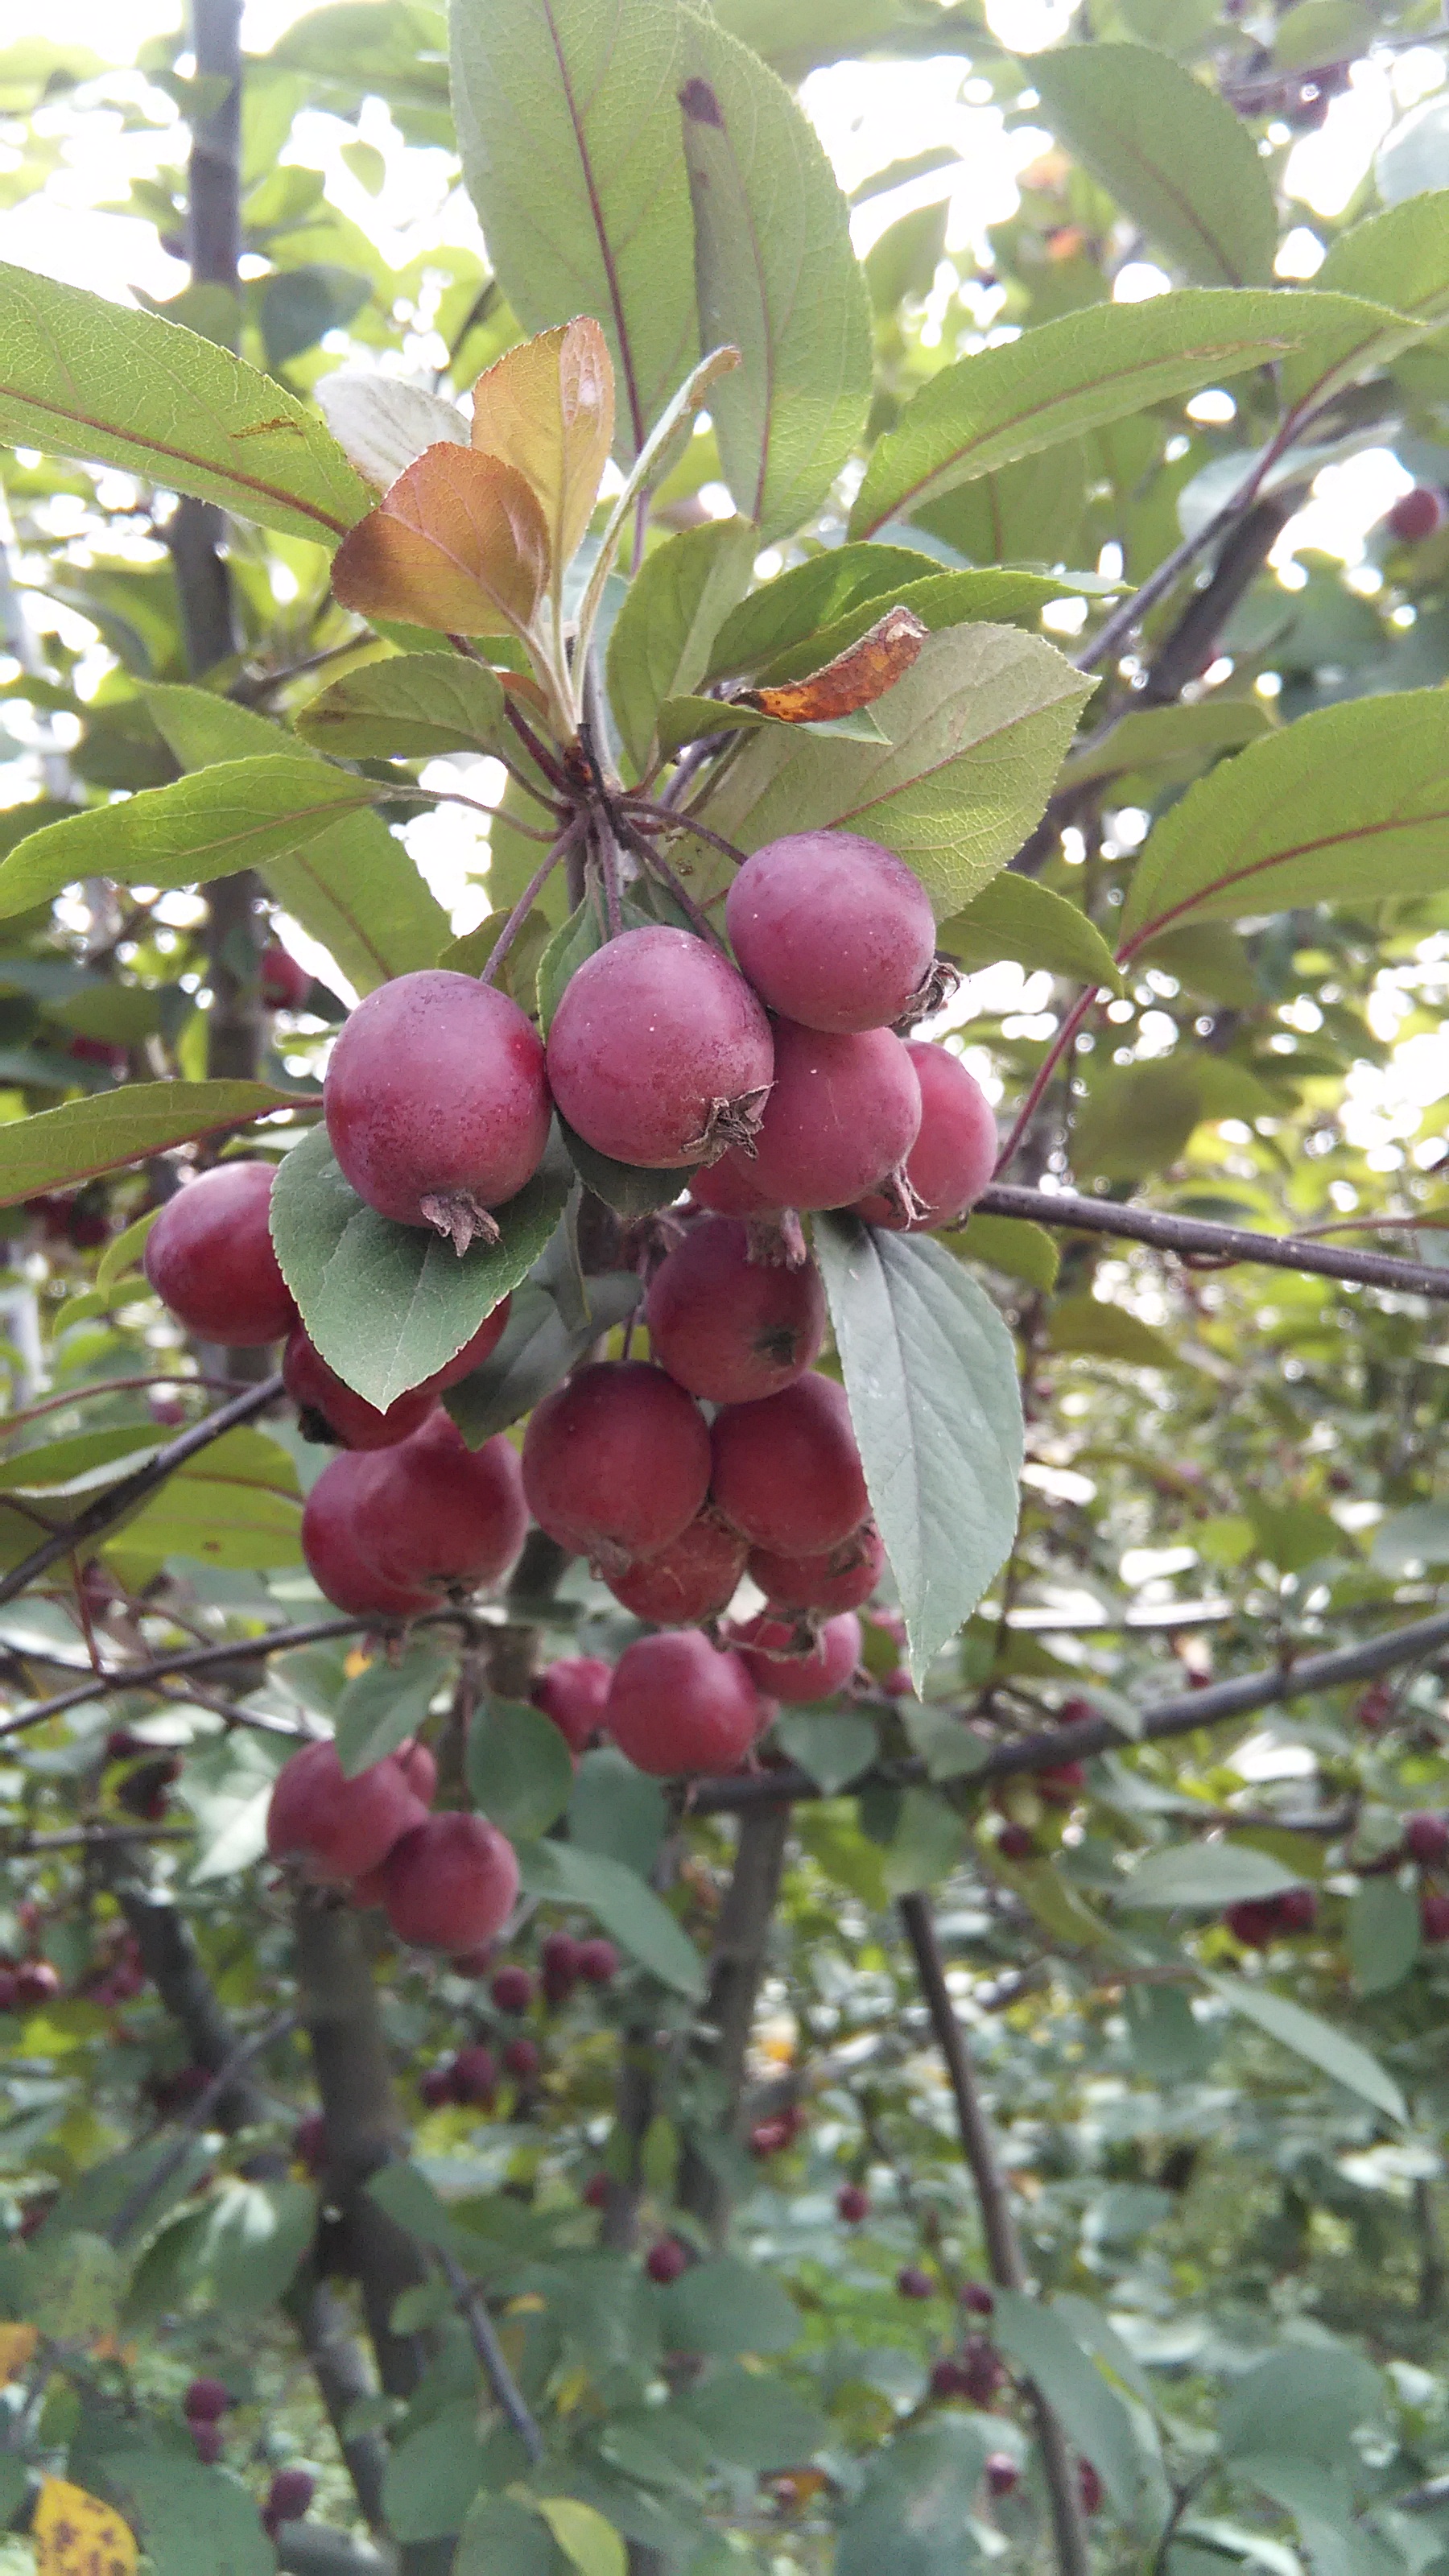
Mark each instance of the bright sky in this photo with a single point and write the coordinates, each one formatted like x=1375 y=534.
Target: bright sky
x=868 y=115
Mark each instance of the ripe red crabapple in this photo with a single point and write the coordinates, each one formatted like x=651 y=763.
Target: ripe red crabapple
x=913 y=2283
x=787 y=1473
x=1426 y=1839
x=840 y=1578
x=450 y=1882
x=206 y=2401
x=1089 y=2487
x=209 y=2442
x=439 y=1513
x=289 y=2496
x=1016 y=1843
x=1002 y=2473
x=512 y=1990
x=478 y=1347
x=436 y=1102
x=332 y=1410
x=659 y=1053
x=770 y=1651
x=665 y=2261
x=616 y=1463
x=978 y=2299
x=1434 y=1916
x=558 y=1958
x=832 y=930
x=337 y=1827
x=209 y=1258
x=954 y=1155
x=1416 y=515
x=286 y=983
x=687 y=1582
x=679 y=1704
x=572 y=1692
x=419 y=1770
x=852 y=2203
x=841 y=1117
x=522 y=2060
x=727 y=1327
x=473 y=2078
x=329 y=1543
x=597 y=2191
x=598 y=1962
x=729 y=1187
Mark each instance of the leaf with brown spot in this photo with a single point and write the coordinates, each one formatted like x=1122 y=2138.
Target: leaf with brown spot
x=547 y=409
x=458 y=542
x=856 y=677
x=75 y=2534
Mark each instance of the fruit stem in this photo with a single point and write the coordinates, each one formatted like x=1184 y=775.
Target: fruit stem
x=644 y=849
x=558 y=849
x=645 y=810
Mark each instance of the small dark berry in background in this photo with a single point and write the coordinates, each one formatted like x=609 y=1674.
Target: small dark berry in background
x=210 y=2442
x=1434 y=1916
x=1002 y=2473
x=436 y=2087
x=522 y=2060
x=596 y=2191
x=290 y=2494
x=473 y=2078
x=512 y=1990
x=1416 y=515
x=598 y=1962
x=981 y=2371
x=1426 y=1839
x=913 y=2283
x=852 y=2203
x=666 y=2260
x=1089 y=2487
x=1016 y=1842
x=206 y=2400
x=978 y=2299
x=309 y=2145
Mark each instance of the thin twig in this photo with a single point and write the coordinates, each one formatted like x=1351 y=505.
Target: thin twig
x=525 y=903
x=492 y=2356
x=1193 y=1239
x=644 y=849
x=19 y=1845
x=112 y=1386
x=640 y=806
x=133 y=2209
x=998 y=2227
x=1059 y=1046
x=119 y=1499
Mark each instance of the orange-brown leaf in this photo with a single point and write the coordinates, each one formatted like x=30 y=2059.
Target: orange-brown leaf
x=17 y=2343
x=856 y=677
x=458 y=542
x=547 y=408
x=75 y=2534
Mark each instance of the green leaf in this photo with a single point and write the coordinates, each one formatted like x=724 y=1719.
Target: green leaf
x=568 y=124
x=300 y=305
x=352 y=886
x=725 y=2307
x=630 y=1189
x=382 y=1707
x=413 y=706
x=754 y=2420
x=629 y=1911
x=1303 y=2400
x=256 y=2235
x=238 y=815
x=534 y=1354
x=1024 y=1251
x=58 y=1147
x=588 y=2542
x=389 y=1305
x=1332 y=2051
x=234 y=1504
x=1383 y=1934
x=976 y=731
x=68 y=1463
x=1399 y=258
x=194 y=2521
x=833 y=1748
x=1160 y=736
x=930 y=1371
x=404 y=2191
x=1075 y=374
x=1093 y=2416
x=914 y=2512
x=1091 y=1329
x=777 y=279
x=617 y=1810
x=123 y=1251
x=1348 y=805
x=790 y=610
x=502 y=2538
x=85 y=377
x=434 y=2475
x=520 y=1770
x=1174 y=155
x=575 y=940
x=1016 y=917
x=662 y=637
x=993 y=595
x=1209 y=1875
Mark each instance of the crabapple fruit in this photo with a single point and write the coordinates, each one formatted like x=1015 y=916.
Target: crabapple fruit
x=659 y=1054
x=687 y=1582
x=478 y=1347
x=1016 y=1843
x=832 y=930
x=309 y=2142
x=512 y=1990
x=438 y=1513
x=616 y=1463
x=1002 y=2473
x=572 y=1692
x=729 y=1187
x=729 y=1328
x=473 y=2078
x=767 y=2137
x=289 y=2495
x=36 y=1982
x=1297 y=1909
x=913 y=2283
x=206 y=2401
x=332 y=1410
x=1062 y=1784
x=1416 y=515
x=980 y=2370
x=598 y=1962
x=787 y=1473
x=946 y=2378
x=1376 y=1707
x=841 y=1118
x=841 y=1578
x=522 y=2060
x=286 y=984
x=209 y=1257
x=1089 y=2487
x=436 y=1102
x=1255 y=1922
x=666 y=2260
x=450 y=1882
x=558 y=1958
x=339 y=1828
x=978 y=2300
x=776 y=1664
x=679 y=1704
x=1426 y=1839
x=436 y=2088
x=596 y=2191
x=1434 y=1916
x=329 y=1543
x=852 y=2203
x=954 y=1155
x=210 y=2443
x=418 y=1768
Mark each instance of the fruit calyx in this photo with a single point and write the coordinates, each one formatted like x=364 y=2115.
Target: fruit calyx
x=730 y=1122
x=932 y=994
x=460 y=1216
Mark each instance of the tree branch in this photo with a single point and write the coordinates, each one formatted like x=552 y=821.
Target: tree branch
x=998 y=2227
x=491 y=2355
x=741 y=1941
x=224 y=2081
x=1194 y=1240
x=114 y=1504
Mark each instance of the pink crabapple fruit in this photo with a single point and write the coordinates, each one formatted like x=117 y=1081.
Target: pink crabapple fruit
x=680 y=1705
x=841 y=1117
x=659 y=1054
x=572 y=1691
x=438 y=1514
x=771 y=1655
x=450 y=1882
x=954 y=1155
x=787 y=1473
x=691 y=1580
x=729 y=1328
x=841 y=1578
x=209 y=1258
x=339 y=1828
x=616 y=1462
x=832 y=930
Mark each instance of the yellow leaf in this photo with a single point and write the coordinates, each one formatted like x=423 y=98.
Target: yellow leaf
x=17 y=2343
x=356 y=1662
x=458 y=542
x=76 y=2535
x=547 y=408
x=590 y=2543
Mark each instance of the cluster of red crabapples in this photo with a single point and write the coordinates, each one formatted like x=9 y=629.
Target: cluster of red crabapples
x=445 y=1882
